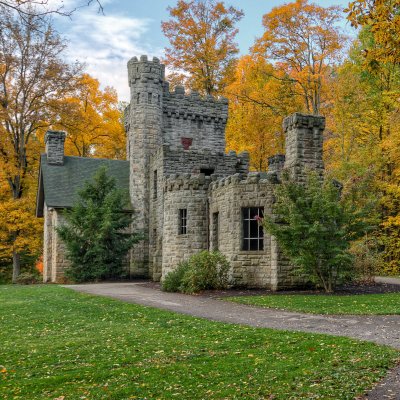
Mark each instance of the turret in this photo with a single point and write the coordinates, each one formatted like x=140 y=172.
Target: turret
x=304 y=140
x=144 y=135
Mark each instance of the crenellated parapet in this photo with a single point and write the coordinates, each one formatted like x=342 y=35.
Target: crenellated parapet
x=177 y=182
x=145 y=70
x=263 y=178
x=304 y=144
x=303 y=121
x=192 y=106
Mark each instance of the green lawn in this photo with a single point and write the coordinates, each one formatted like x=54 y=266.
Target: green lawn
x=55 y=343
x=360 y=304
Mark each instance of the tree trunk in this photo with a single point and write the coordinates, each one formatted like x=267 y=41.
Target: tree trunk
x=16 y=266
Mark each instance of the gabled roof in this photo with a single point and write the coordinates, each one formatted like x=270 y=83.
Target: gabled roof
x=59 y=184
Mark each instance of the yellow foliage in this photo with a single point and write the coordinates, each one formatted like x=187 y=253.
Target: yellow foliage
x=258 y=103
x=93 y=121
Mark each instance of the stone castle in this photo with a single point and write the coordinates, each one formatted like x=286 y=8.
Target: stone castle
x=187 y=193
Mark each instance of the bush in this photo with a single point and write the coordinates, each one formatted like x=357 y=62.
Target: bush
x=314 y=225
x=27 y=278
x=367 y=258
x=173 y=280
x=204 y=270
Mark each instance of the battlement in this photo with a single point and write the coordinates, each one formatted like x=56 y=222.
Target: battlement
x=176 y=182
x=307 y=121
x=244 y=179
x=276 y=162
x=244 y=156
x=144 y=70
x=178 y=104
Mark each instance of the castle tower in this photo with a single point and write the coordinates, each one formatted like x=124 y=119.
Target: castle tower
x=144 y=128
x=304 y=140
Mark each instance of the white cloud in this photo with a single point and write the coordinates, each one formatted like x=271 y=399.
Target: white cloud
x=105 y=43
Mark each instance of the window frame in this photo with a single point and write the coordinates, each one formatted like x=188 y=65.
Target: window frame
x=182 y=215
x=248 y=241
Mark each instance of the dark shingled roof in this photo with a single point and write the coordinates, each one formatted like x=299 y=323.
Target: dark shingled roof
x=59 y=184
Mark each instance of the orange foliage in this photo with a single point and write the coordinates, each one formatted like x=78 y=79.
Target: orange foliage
x=306 y=41
x=202 y=52
x=39 y=264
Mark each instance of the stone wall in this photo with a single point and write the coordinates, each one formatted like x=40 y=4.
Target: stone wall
x=267 y=268
x=55 y=147
x=227 y=198
x=186 y=192
x=304 y=144
x=144 y=125
x=202 y=120
x=54 y=259
x=156 y=116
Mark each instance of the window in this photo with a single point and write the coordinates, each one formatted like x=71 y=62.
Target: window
x=253 y=234
x=183 y=221
x=149 y=96
x=159 y=100
x=215 y=229
x=155 y=184
x=138 y=98
x=207 y=171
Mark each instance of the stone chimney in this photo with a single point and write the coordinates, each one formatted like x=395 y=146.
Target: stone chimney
x=55 y=147
x=304 y=139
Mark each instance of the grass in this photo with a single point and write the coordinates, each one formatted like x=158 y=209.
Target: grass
x=58 y=344
x=360 y=304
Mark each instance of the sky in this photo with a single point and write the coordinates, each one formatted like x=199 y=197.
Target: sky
x=105 y=42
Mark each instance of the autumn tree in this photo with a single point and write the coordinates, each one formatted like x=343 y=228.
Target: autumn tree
x=383 y=18
x=33 y=77
x=305 y=40
x=202 y=48
x=93 y=121
x=258 y=104
x=362 y=148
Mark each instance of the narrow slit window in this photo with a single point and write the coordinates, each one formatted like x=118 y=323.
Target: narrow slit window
x=215 y=231
x=149 y=96
x=253 y=233
x=183 y=221
x=155 y=184
x=138 y=98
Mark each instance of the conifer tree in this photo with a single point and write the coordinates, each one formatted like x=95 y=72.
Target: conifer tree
x=96 y=233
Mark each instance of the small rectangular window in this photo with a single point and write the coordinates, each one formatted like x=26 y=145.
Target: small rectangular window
x=215 y=231
x=155 y=184
x=149 y=96
x=138 y=98
x=182 y=221
x=253 y=233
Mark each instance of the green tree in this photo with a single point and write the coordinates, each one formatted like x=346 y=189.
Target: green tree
x=96 y=233
x=315 y=225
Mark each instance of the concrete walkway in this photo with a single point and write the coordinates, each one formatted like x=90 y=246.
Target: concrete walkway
x=378 y=329
x=387 y=279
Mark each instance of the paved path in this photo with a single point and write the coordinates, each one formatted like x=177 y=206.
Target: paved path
x=387 y=279
x=378 y=329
